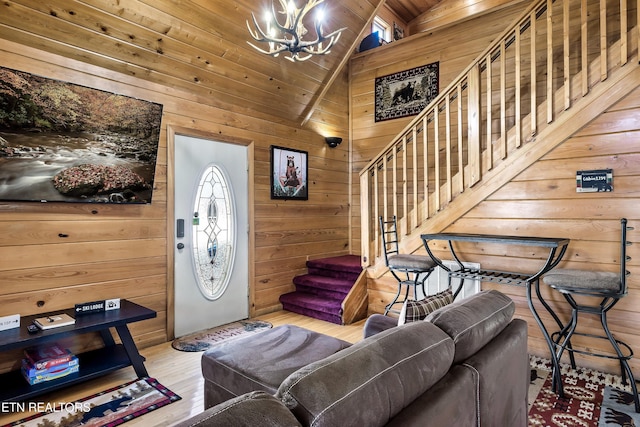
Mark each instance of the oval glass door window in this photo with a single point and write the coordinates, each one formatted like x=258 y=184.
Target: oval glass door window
x=214 y=233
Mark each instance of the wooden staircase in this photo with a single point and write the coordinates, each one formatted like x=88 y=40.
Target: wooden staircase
x=558 y=67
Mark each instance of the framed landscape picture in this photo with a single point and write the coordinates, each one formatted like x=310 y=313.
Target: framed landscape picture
x=405 y=93
x=63 y=142
x=289 y=174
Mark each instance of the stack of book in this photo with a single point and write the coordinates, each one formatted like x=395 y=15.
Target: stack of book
x=48 y=362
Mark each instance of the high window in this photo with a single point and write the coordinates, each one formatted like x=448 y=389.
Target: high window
x=383 y=29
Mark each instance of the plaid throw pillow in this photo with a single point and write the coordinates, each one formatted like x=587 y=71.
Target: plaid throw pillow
x=413 y=311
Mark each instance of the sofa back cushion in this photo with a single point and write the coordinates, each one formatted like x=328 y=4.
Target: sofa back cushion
x=257 y=408
x=371 y=381
x=474 y=321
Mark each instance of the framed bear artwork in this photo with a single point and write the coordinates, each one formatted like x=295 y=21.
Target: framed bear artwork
x=289 y=174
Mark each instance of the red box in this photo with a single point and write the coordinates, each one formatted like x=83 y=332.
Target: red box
x=46 y=356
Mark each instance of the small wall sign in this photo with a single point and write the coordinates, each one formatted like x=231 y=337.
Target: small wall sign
x=592 y=181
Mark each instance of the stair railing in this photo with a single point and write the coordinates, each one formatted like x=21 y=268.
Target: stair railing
x=533 y=72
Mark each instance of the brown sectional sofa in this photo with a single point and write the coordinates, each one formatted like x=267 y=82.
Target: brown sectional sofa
x=466 y=365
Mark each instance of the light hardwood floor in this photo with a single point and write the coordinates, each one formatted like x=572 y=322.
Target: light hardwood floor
x=180 y=372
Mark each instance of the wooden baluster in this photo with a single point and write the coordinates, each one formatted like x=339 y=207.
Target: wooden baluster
x=447 y=127
x=425 y=150
x=534 y=66
x=549 y=61
x=503 y=100
x=474 y=140
x=405 y=183
x=460 y=143
x=565 y=44
x=376 y=197
x=489 y=116
x=583 y=44
x=414 y=216
x=436 y=157
x=518 y=118
x=623 y=32
x=603 y=40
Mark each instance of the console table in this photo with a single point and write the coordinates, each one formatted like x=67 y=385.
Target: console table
x=92 y=363
x=556 y=249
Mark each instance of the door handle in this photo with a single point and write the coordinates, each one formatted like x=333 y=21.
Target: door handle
x=180 y=245
x=180 y=228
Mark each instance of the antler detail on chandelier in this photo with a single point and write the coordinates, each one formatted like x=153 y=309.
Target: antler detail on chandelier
x=292 y=33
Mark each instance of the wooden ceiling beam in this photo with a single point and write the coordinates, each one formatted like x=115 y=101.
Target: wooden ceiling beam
x=324 y=87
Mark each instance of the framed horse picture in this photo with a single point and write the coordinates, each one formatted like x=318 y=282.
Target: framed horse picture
x=289 y=174
x=405 y=93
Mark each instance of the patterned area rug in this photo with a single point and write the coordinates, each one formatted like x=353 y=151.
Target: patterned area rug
x=201 y=341
x=109 y=408
x=592 y=398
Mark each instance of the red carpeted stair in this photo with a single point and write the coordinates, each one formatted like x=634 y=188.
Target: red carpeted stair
x=320 y=292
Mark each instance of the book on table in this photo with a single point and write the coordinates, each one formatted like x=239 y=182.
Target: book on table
x=54 y=321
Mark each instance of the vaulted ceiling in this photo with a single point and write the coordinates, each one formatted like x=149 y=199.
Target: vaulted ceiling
x=197 y=45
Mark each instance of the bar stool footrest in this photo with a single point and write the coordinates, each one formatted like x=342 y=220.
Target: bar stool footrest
x=494 y=276
x=628 y=356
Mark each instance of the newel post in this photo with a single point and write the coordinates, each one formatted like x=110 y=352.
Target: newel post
x=365 y=219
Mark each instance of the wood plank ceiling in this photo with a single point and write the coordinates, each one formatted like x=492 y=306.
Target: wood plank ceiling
x=408 y=10
x=195 y=45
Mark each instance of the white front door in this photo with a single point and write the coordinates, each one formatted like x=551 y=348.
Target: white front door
x=211 y=268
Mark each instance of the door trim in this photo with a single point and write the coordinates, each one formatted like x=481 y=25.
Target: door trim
x=172 y=131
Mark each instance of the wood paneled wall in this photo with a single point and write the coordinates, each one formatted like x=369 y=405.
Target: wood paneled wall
x=122 y=251
x=454 y=12
x=542 y=200
x=454 y=48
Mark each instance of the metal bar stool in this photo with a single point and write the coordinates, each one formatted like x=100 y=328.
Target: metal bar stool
x=409 y=270
x=609 y=288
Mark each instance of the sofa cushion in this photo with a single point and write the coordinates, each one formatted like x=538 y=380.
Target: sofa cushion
x=474 y=321
x=450 y=402
x=262 y=361
x=257 y=408
x=377 y=323
x=502 y=367
x=371 y=381
x=413 y=311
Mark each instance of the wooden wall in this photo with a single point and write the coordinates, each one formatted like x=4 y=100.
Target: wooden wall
x=122 y=251
x=542 y=200
x=453 y=48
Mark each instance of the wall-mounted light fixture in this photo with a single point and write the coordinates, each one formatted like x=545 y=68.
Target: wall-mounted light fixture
x=333 y=141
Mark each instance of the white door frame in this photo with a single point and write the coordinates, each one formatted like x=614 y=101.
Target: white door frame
x=172 y=131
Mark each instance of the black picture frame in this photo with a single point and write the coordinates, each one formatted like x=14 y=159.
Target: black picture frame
x=289 y=174
x=406 y=93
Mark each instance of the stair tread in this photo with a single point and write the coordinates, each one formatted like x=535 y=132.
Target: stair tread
x=306 y=300
x=325 y=282
x=344 y=263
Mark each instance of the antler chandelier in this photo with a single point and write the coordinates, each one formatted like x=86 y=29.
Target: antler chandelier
x=288 y=37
